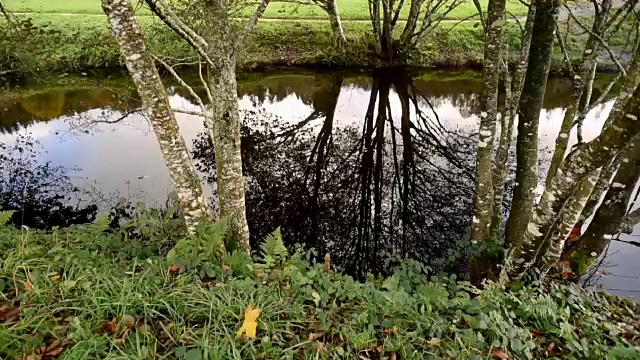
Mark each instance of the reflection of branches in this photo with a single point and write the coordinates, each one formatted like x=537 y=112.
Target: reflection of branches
x=84 y=123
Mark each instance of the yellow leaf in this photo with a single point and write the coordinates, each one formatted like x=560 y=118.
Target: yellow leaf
x=250 y=322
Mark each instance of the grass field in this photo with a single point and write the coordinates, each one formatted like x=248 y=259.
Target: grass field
x=349 y=9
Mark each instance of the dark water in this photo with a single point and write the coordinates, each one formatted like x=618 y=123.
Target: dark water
x=365 y=166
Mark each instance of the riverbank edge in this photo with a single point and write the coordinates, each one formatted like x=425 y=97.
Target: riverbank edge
x=78 y=44
x=79 y=292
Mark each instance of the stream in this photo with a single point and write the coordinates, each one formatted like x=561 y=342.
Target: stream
x=363 y=177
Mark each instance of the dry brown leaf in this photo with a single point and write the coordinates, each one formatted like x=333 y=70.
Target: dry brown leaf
x=119 y=341
x=141 y=328
x=128 y=321
x=9 y=314
x=500 y=354
x=537 y=332
x=110 y=327
x=435 y=342
x=552 y=350
x=393 y=330
x=315 y=336
x=174 y=267
x=225 y=267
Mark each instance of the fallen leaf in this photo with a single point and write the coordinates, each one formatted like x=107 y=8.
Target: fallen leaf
x=142 y=329
x=566 y=275
x=250 y=323
x=110 y=327
x=391 y=331
x=500 y=354
x=128 y=321
x=537 y=332
x=9 y=314
x=575 y=234
x=552 y=349
x=119 y=341
x=55 y=277
x=316 y=298
x=435 y=342
x=174 y=267
x=315 y=336
x=225 y=266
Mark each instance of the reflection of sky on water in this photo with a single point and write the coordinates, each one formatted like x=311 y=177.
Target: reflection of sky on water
x=125 y=157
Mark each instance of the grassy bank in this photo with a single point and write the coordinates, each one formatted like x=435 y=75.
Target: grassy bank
x=76 y=43
x=349 y=9
x=57 y=43
x=90 y=292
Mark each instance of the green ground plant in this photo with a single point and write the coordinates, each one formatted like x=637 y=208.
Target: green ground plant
x=82 y=293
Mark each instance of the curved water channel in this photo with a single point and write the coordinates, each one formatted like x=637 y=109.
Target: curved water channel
x=362 y=165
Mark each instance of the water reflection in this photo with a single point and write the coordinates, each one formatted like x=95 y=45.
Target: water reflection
x=361 y=165
x=394 y=182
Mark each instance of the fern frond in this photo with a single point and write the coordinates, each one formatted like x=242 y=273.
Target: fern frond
x=5 y=217
x=273 y=246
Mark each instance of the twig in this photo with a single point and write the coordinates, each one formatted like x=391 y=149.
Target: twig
x=168 y=16
x=600 y=39
x=182 y=83
x=254 y=20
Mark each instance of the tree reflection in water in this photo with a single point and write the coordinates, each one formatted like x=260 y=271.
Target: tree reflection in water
x=41 y=194
x=396 y=184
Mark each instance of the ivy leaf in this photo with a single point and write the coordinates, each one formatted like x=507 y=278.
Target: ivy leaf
x=250 y=324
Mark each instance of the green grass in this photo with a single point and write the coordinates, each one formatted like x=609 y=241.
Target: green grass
x=93 y=293
x=349 y=9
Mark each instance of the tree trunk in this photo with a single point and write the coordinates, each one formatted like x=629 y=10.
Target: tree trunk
x=335 y=22
x=224 y=130
x=609 y=216
x=529 y=115
x=513 y=89
x=580 y=82
x=570 y=214
x=156 y=104
x=577 y=166
x=488 y=116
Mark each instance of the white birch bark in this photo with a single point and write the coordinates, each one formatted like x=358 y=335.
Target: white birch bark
x=156 y=104
x=483 y=212
x=576 y=167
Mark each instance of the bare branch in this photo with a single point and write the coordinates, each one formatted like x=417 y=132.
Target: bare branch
x=181 y=82
x=480 y=13
x=173 y=21
x=603 y=43
x=204 y=83
x=189 y=112
x=254 y=19
x=563 y=49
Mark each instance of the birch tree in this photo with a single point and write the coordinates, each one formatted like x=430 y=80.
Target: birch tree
x=424 y=16
x=539 y=236
x=483 y=212
x=216 y=38
x=581 y=177
x=333 y=13
x=535 y=83
x=490 y=167
x=156 y=104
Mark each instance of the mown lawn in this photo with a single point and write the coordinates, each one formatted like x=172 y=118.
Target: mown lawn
x=349 y=9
